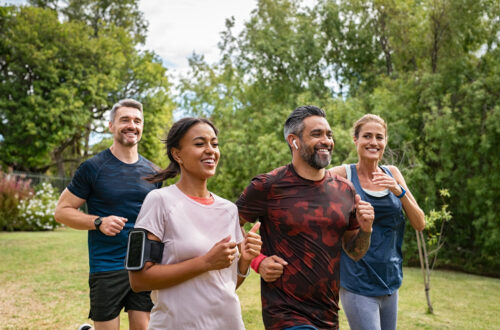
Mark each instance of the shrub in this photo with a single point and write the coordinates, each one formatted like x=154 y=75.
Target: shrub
x=13 y=190
x=37 y=213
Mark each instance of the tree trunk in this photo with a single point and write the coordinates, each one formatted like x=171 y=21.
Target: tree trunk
x=424 y=265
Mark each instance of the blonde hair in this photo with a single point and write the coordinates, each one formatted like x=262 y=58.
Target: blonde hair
x=367 y=119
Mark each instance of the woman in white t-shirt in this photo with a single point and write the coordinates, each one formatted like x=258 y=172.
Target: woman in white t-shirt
x=194 y=286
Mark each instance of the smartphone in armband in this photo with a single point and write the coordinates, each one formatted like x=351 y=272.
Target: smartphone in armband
x=141 y=249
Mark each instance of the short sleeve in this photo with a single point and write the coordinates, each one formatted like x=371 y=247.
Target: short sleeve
x=81 y=183
x=252 y=203
x=348 y=187
x=353 y=222
x=238 y=234
x=151 y=215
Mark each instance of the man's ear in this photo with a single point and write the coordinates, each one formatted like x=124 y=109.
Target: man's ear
x=292 y=141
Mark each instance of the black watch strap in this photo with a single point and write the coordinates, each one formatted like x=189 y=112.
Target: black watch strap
x=98 y=223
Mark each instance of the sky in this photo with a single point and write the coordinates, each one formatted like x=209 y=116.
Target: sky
x=177 y=28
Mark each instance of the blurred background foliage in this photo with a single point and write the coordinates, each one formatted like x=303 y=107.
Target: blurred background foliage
x=430 y=68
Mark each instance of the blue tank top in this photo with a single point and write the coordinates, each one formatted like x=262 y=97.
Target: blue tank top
x=380 y=271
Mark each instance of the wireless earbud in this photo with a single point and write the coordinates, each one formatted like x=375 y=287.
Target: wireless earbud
x=295 y=144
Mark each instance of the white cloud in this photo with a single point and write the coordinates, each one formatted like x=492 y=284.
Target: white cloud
x=179 y=28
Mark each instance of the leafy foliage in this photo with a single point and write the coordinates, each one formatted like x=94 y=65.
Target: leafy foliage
x=61 y=76
x=430 y=68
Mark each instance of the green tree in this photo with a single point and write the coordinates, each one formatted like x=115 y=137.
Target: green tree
x=98 y=14
x=263 y=74
x=124 y=14
x=61 y=77
x=429 y=67
x=50 y=71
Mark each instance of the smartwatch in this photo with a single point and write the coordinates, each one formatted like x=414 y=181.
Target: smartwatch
x=98 y=223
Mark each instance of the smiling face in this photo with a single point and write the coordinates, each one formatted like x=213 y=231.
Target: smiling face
x=316 y=142
x=198 y=154
x=371 y=141
x=127 y=126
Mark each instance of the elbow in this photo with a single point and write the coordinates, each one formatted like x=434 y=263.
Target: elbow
x=354 y=256
x=417 y=219
x=60 y=214
x=420 y=226
x=357 y=257
x=57 y=216
x=135 y=283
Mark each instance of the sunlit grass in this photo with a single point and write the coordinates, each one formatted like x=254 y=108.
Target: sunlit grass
x=43 y=285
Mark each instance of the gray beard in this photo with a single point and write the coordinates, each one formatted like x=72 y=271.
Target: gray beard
x=315 y=160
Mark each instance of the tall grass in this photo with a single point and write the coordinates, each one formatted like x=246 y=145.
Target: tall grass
x=43 y=285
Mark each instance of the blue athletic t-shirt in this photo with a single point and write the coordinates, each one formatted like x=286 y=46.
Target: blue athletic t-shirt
x=111 y=187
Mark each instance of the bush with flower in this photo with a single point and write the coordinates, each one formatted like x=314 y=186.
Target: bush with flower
x=25 y=208
x=37 y=213
x=13 y=190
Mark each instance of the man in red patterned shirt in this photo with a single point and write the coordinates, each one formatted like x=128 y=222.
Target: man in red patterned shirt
x=308 y=214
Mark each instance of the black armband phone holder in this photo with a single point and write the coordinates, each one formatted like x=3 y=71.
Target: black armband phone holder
x=141 y=249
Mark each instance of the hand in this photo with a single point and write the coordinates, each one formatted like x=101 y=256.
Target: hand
x=252 y=244
x=112 y=225
x=221 y=255
x=271 y=268
x=364 y=214
x=386 y=181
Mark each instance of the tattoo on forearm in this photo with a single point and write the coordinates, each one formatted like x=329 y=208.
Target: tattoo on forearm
x=358 y=246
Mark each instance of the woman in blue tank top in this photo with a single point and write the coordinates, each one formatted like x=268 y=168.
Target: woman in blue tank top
x=369 y=287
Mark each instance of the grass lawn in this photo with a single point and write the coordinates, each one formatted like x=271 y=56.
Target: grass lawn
x=43 y=285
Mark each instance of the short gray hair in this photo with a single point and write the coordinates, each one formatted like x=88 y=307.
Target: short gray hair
x=130 y=103
x=295 y=122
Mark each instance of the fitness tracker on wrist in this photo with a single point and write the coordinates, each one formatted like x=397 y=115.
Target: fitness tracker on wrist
x=403 y=192
x=98 y=223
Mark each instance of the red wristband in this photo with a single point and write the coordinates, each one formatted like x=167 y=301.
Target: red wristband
x=256 y=262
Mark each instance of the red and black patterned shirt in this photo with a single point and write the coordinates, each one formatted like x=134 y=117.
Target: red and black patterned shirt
x=302 y=222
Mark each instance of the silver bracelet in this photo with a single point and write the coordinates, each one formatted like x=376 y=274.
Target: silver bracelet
x=240 y=274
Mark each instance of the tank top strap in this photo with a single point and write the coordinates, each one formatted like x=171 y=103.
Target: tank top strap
x=355 y=181
x=386 y=170
x=367 y=194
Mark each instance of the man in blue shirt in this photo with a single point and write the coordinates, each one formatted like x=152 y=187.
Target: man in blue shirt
x=113 y=185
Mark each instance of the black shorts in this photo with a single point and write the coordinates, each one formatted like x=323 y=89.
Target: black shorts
x=110 y=292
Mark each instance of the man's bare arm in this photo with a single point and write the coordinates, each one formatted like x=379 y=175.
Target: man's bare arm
x=67 y=212
x=356 y=243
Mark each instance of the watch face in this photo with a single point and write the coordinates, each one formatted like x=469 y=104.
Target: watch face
x=97 y=222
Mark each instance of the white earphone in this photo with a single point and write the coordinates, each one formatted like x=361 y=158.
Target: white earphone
x=295 y=144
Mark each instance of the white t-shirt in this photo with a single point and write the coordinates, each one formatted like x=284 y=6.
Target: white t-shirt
x=190 y=229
